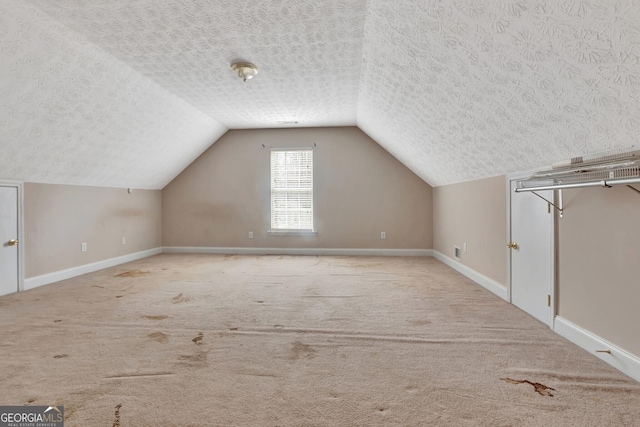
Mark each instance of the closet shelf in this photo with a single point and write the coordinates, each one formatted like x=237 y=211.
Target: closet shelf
x=605 y=169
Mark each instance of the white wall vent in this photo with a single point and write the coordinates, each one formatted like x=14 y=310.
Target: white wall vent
x=457 y=252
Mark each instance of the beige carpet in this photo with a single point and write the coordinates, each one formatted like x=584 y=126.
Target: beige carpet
x=202 y=340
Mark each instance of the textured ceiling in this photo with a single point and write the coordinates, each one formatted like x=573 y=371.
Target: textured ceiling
x=464 y=89
x=72 y=114
x=308 y=52
x=127 y=93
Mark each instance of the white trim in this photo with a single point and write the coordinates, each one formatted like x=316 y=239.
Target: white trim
x=296 y=251
x=507 y=249
x=304 y=148
x=620 y=359
x=284 y=232
x=510 y=178
x=479 y=278
x=21 y=242
x=46 y=279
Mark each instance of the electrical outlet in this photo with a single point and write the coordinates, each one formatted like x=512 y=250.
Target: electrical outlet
x=383 y=235
x=124 y=240
x=83 y=248
x=251 y=234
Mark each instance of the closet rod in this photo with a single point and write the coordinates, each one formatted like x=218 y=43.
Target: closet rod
x=601 y=183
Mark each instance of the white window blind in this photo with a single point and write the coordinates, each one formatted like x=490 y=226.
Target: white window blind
x=292 y=189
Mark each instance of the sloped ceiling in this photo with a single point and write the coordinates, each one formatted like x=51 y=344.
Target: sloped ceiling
x=70 y=113
x=465 y=89
x=127 y=93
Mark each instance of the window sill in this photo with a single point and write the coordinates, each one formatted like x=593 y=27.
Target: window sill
x=291 y=233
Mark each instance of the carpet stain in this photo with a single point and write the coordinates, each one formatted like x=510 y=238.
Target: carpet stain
x=57 y=321
x=198 y=338
x=160 y=317
x=118 y=296
x=258 y=374
x=31 y=400
x=136 y=376
x=132 y=273
x=116 y=421
x=225 y=334
x=299 y=349
x=196 y=361
x=178 y=299
x=541 y=389
x=198 y=357
x=60 y=356
x=419 y=322
x=159 y=337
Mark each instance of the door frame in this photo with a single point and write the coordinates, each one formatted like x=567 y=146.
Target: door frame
x=553 y=279
x=20 y=187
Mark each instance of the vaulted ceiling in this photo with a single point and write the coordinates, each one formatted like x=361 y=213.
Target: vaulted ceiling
x=127 y=93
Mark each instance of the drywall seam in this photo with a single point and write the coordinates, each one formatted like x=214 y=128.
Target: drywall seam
x=296 y=251
x=56 y=276
x=480 y=279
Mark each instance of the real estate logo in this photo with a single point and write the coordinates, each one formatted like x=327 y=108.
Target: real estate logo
x=31 y=416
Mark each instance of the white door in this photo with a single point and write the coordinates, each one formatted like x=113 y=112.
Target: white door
x=532 y=241
x=8 y=240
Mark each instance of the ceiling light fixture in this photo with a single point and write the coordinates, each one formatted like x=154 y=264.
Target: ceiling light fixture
x=244 y=70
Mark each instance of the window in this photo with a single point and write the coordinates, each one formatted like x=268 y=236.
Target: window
x=292 y=190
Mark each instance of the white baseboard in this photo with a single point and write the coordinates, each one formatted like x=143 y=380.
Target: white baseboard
x=620 y=359
x=480 y=279
x=46 y=279
x=296 y=251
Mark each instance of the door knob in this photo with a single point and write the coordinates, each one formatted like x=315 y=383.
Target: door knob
x=512 y=245
x=12 y=242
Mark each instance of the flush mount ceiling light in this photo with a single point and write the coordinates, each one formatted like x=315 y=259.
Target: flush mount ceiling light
x=244 y=70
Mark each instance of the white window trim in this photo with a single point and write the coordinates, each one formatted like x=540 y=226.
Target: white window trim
x=283 y=232
x=290 y=232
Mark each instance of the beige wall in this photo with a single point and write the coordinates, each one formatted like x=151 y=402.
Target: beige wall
x=59 y=218
x=598 y=260
x=359 y=191
x=599 y=263
x=473 y=212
